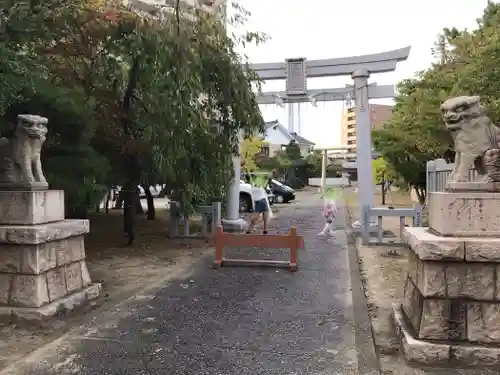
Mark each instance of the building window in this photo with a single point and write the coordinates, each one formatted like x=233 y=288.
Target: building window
x=264 y=150
x=350 y=118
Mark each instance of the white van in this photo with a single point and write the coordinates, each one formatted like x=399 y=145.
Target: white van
x=246 y=201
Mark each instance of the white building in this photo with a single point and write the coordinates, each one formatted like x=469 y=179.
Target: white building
x=277 y=137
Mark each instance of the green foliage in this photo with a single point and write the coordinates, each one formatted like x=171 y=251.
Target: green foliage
x=260 y=180
x=314 y=164
x=129 y=98
x=250 y=148
x=278 y=163
x=293 y=151
x=467 y=63
x=382 y=171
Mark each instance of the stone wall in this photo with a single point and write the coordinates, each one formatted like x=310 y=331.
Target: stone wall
x=446 y=300
x=450 y=314
x=42 y=257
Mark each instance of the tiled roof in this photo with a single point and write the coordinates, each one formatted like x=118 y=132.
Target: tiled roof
x=301 y=139
x=270 y=124
x=298 y=138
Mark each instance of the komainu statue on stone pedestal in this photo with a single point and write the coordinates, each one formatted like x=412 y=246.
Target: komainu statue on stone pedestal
x=20 y=165
x=476 y=140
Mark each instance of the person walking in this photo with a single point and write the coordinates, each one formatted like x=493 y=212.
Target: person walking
x=330 y=198
x=261 y=204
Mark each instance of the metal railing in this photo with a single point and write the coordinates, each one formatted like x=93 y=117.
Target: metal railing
x=367 y=230
x=437 y=172
x=210 y=218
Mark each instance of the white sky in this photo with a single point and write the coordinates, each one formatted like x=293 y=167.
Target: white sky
x=332 y=28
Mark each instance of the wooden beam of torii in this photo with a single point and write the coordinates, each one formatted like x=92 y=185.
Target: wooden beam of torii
x=376 y=63
x=325 y=95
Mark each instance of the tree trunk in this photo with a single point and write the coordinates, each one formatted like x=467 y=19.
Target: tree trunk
x=138 y=205
x=151 y=203
x=129 y=212
x=383 y=191
x=130 y=158
x=119 y=201
x=106 y=205
x=420 y=195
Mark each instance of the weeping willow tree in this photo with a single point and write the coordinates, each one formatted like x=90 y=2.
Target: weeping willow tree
x=135 y=96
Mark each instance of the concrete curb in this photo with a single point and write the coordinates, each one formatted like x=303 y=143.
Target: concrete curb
x=368 y=361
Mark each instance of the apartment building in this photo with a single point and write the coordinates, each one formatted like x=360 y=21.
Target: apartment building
x=379 y=115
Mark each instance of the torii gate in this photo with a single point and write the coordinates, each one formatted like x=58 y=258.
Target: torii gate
x=296 y=71
x=324 y=162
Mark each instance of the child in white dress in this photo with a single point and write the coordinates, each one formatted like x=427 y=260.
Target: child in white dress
x=329 y=212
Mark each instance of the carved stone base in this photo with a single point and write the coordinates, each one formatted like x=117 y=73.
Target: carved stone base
x=454 y=300
x=234 y=226
x=445 y=354
x=41 y=233
x=428 y=246
x=33 y=276
x=36 y=186
x=473 y=186
x=31 y=207
x=462 y=214
x=42 y=266
x=450 y=314
x=51 y=309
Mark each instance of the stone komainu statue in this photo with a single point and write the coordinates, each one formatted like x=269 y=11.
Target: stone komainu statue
x=20 y=165
x=475 y=138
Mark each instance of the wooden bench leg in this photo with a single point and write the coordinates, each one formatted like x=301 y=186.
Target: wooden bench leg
x=293 y=249
x=219 y=247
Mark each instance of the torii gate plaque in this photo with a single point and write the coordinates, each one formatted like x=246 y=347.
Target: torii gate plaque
x=296 y=72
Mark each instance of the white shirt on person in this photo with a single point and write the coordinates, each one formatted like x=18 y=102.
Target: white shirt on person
x=258 y=193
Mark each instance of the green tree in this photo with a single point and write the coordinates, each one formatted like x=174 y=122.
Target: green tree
x=130 y=99
x=279 y=163
x=466 y=64
x=250 y=149
x=314 y=164
x=383 y=175
x=293 y=151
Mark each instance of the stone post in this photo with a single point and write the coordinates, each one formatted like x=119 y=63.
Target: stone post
x=42 y=255
x=363 y=139
x=324 y=161
x=233 y=222
x=291 y=117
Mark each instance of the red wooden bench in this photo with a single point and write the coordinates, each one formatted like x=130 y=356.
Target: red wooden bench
x=290 y=241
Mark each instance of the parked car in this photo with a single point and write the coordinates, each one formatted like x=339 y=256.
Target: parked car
x=155 y=191
x=246 y=201
x=283 y=193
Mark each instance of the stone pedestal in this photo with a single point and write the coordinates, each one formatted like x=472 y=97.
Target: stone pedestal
x=42 y=256
x=450 y=314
